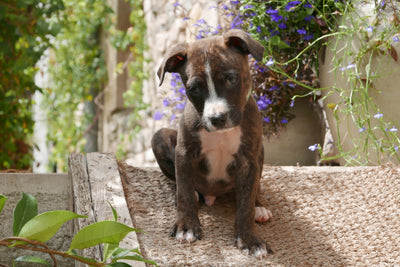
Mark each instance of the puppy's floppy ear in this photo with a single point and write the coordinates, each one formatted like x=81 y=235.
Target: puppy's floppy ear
x=174 y=58
x=244 y=43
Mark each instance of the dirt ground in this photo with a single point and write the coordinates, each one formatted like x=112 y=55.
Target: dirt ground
x=323 y=216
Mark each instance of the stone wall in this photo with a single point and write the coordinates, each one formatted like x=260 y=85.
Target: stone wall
x=165 y=26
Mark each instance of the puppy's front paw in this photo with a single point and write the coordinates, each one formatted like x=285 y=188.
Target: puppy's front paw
x=262 y=214
x=254 y=245
x=189 y=232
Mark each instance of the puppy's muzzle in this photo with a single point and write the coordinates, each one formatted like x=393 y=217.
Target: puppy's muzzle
x=219 y=120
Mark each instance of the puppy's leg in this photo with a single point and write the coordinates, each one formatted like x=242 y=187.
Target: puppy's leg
x=163 y=144
x=261 y=214
x=246 y=193
x=187 y=226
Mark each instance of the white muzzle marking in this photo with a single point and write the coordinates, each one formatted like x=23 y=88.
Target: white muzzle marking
x=214 y=105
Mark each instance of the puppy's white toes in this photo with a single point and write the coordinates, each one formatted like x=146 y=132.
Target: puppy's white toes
x=260 y=253
x=262 y=214
x=180 y=236
x=186 y=236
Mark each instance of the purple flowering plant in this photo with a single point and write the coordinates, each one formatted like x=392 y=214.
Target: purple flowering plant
x=285 y=28
x=294 y=33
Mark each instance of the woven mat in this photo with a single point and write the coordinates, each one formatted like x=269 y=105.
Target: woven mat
x=323 y=216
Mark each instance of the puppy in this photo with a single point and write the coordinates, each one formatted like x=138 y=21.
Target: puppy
x=218 y=146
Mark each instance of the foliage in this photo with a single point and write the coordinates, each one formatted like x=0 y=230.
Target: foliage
x=376 y=34
x=35 y=229
x=133 y=39
x=77 y=70
x=24 y=35
x=290 y=32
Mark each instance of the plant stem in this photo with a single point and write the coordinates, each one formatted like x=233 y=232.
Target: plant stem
x=8 y=241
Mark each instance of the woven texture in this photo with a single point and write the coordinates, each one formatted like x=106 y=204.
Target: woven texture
x=323 y=216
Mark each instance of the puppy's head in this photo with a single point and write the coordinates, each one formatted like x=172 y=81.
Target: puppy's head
x=215 y=72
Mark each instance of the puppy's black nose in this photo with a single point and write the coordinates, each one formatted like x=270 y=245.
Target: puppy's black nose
x=218 y=120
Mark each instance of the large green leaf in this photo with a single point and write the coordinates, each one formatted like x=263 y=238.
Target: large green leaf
x=32 y=259
x=137 y=257
x=100 y=232
x=109 y=250
x=3 y=200
x=119 y=264
x=25 y=210
x=45 y=225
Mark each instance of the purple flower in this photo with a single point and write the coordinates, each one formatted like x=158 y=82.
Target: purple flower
x=396 y=39
x=273 y=88
x=185 y=18
x=182 y=90
x=313 y=147
x=308 y=5
x=176 y=76
x=284 y=120
x=176 y=4
x=235 y=2
x=173 y=117
x=291 y=5
x=393 y=129
x=201 y=21
x=263 y=102
x=309 y=18
x=270 y=62
x=165 y=102
x=361 y=130
x=308 y=37
x=248 y=6
x=370 y=29
x=271 y=11
x=378 y=115
x=267 y=120
x=173 y=82
x=158 y=115
x=180 y=106
x=301 y=31
x=276 y=17
x=282 y=25
x=258 y=29
x=292 y=103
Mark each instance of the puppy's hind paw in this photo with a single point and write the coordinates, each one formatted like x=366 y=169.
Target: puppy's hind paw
x=262 y=214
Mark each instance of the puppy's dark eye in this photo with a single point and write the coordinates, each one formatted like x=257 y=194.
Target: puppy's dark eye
x=232 y=79
x=194 y=90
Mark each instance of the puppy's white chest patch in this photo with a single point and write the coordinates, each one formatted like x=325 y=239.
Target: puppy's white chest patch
x=219 y=148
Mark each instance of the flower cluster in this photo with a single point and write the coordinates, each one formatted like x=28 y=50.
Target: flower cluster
x=286 y=28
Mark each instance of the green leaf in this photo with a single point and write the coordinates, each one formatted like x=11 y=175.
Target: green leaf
x=113 y=211
x=3 y=200
x=32 y=259
x=123 y=254
x=45 y=225
x=73 y=252
x=119 y=264
x=120 y=252
x=109 y=250
x=100 y=232
x=137 y=257
x=25 y=210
